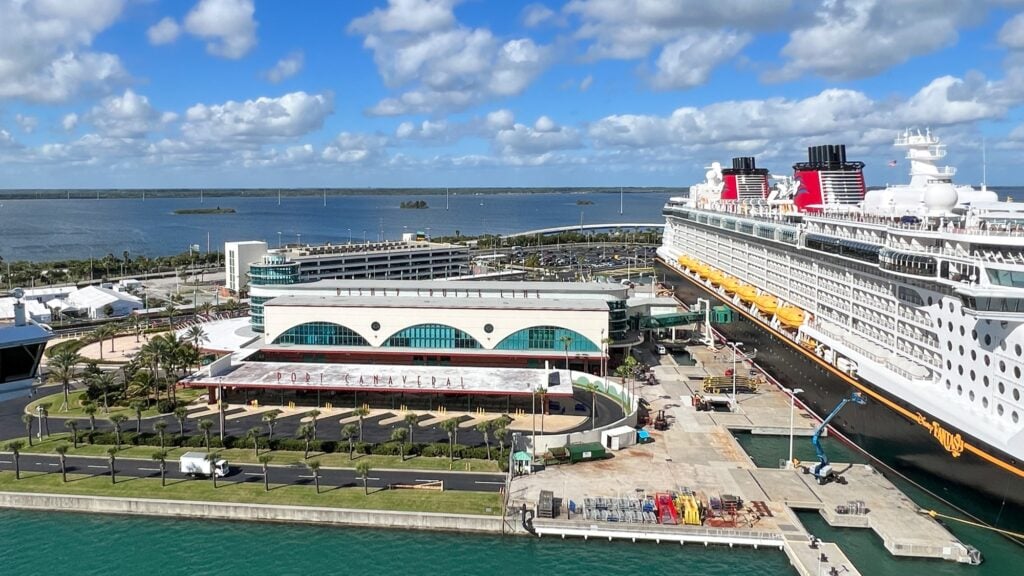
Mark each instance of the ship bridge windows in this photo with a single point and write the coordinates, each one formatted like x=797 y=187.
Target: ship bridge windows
x=904 y=263
x=843 y=247
x=993 y=304
x=1009 y=278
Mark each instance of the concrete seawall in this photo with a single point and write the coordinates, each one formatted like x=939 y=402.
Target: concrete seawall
x=252 y=512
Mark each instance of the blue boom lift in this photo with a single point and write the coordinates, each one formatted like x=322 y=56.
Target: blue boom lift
x=822 y=471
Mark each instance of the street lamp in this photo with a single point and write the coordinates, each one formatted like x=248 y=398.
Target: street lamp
x=735 y=350
x=39 y=415
x=278 y=239
x=792 y=403
x=349 y=235
x=533 y=411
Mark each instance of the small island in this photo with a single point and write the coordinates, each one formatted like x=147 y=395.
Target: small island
x=584 y=202
x=414 y=204
x=217 y=210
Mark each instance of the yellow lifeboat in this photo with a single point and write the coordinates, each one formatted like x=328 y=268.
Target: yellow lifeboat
x=747 y=293
x=790 y=316
x=730 y=284
x=715 y=276
x=767 y=303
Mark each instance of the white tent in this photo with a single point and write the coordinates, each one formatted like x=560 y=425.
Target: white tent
x=95 y=300
x=36 y=310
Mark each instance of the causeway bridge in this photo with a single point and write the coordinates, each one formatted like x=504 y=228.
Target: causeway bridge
x=580 y=228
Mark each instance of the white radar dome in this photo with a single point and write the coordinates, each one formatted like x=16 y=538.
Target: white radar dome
x=940 y=196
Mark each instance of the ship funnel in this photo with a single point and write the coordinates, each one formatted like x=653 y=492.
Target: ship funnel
x=744 y=181
x=828 y=178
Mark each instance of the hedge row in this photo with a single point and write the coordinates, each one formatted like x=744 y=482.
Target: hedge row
x=74 y=345
x=172 y=440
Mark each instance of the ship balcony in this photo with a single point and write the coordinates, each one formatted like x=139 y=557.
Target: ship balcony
x=915 y=318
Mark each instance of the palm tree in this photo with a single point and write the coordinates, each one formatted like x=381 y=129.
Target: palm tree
x=348 y=432
x=270 y=419
x=313 y=415
x=62 y=369
x=181 y=414
x=44 y=418
x=306 y=433
x=363 y=471
x=196 y=335
x=170 y=310
x=118 y=420
x=212 y=458
x=72 y=425
x=160 y=456
x=205 y=424
x=138 y=406
x=254 y=435
x=314 y=467
x=543 y=392
x=62 y=452
x=90 y=409
x=27 y=419
x=500 y=431
x=411 y=418
x=111 y=460
x=15 y=448
x=450 y=426
x=592 y=388
x=135 y=322
x=265 y=459
x=106 y=382
x=400 y=435
x=485 y=429
x=362 y=412
x=103 y=332
x=160 y=426
x=566 y=341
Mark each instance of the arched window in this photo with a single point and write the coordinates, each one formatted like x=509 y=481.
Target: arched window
x=547 y=338
x=321 y=334
x=431 y=336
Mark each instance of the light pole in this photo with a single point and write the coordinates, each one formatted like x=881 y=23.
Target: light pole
x=735 y=351
x=792 y=405
x=278 y=239
x=39 y=416
x=349 y=235
x=533 y=411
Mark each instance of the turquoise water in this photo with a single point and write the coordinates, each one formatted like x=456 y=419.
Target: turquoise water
x=865 y=550
x=83 y=545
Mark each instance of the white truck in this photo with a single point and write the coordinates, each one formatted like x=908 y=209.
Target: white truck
x=196 y=464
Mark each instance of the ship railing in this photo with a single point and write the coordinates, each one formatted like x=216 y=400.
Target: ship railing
x=913 y=377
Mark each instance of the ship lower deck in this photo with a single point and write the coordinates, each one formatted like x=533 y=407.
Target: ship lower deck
x=983 y=484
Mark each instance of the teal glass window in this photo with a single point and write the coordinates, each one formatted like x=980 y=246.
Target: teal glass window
x=547 y=338
x=431 y=336
x=321 y=334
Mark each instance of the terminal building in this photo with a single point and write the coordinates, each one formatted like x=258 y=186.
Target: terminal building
x=455 y=323
x=252 y=262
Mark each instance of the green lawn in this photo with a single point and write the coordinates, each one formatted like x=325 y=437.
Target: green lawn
x=55 y=401
x=281 y=457
x=483 y=503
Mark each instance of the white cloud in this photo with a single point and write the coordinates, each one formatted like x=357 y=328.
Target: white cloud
x=859 y=38
x=127 y=116
x=228 y=26
x=426 y=130
x=286 y=67
x=500 y=119
x=538 y=14
x=520 y=143
x=418 y=46
x=26 y=123
x=948 y=100
x=350 y=148
x=163 y=32
x=44 y=49
x=688 y=61
x=257 y=121
x=586 y=83
x=69 y=122
x=629 y=29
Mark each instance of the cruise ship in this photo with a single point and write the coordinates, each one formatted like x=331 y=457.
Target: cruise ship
x=21 y=349
x=912 y=295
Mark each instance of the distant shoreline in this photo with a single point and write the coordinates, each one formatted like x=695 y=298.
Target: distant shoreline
x=194 y=211
x=140 y=193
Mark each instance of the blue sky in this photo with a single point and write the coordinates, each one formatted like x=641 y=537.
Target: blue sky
x=210 y=93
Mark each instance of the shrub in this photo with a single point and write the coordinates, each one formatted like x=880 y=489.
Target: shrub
x=166 y=406
x=74 y=345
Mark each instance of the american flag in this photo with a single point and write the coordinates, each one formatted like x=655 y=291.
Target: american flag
x=893 y=163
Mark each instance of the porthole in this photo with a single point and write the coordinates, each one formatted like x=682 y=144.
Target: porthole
x=963 y=331
x=1017 y=349
x=488 y=328
x=999 y=409
x=972 y=376
x=988 y=339
x=974 y=355
x=961 y=348
x=971 y=395
x=930 y=301
x=984 y=401
x=1015 y=417
x=375 y=326
x=984 y=380
x=939 y=322
x=1002 y=345
x=1002 y=388
x=959 y=390
x=988 y=360
x=1002 y=366
x=960 y=370
x=1016 y=372
x=1016 y=395
x=948 y=384
x=974 y=334
x=950 y=306
x=950 y=326
x=949 y=364
x=949 y=345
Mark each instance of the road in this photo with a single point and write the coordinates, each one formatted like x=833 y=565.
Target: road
x=136 y=468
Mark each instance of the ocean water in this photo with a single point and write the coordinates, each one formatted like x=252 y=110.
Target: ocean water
x=83 y=228
x=83 y=545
